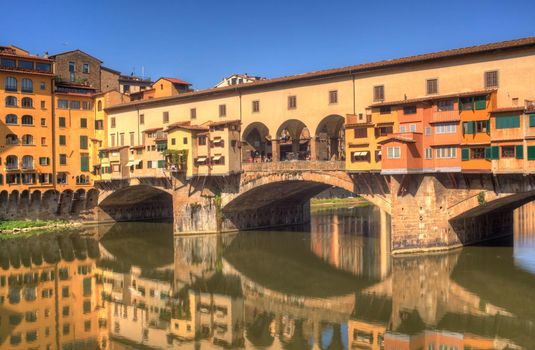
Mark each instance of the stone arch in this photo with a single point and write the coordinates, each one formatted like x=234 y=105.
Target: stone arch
x=35 y=201
x=50 y=201
x=329 y=138
x=65 y=202
x=24 y=202
x=91 y=199
x=13 y=202
x=78 y=201
x=256 y=138
x=293 y=138
x=4 y=202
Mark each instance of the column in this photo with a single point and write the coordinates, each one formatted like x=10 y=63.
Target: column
x=275 y=150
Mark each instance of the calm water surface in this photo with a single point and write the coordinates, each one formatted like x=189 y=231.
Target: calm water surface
x=333 y=286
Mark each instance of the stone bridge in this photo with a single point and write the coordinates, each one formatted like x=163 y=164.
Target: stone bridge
x=428 y=211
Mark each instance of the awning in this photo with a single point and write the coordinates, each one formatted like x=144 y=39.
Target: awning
x=137 y=161
x=130 y=163
x=379 y=152
x=360 y=153
x=216 y=157
x=218 y=141
x=201 y=159
x=104 y=164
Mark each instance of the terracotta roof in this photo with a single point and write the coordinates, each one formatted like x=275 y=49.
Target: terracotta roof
x=110 y=70
x=359 y=68
x=431 y=98
x=508 y=109
x=175 y=81
x=400 y=138
x=152 y=130
x=110 y=149
x=225 y=122
x=137 y=147
x=76 y=50
x=187 y=127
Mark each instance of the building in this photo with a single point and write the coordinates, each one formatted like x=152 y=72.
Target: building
x=236 y=79
x=78 y=67
x=163 y=87
x=129 y=84
x=109 y=79
x=26 y=134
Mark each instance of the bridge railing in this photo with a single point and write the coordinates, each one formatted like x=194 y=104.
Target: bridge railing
x=301 y=165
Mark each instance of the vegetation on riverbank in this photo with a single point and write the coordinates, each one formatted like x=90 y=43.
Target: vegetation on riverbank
x=25 y=228
x=339 y=202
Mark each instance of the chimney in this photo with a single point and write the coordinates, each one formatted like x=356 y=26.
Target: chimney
x=46 y=54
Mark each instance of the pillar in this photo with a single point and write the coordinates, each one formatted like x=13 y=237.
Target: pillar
x=313 y=148
x=275 y=150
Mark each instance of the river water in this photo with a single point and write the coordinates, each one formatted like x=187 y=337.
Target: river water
x=333 y=285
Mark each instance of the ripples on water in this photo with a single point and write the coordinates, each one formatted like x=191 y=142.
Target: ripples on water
x=134 y=285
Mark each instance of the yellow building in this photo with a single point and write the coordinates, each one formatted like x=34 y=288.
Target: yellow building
x=26 y=132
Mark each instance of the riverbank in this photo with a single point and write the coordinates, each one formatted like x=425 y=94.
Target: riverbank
x=339 y=202
x=17 y=228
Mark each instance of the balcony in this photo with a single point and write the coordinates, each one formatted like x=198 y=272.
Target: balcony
x=446 y=116
x=11 y=167
x=358 y=119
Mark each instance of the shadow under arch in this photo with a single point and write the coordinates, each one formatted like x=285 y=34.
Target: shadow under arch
x=329 y=138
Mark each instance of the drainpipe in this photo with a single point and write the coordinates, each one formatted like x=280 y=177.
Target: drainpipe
x=54 y=174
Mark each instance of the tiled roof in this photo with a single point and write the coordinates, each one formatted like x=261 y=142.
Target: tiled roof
x=508 y=109
x=110 y=149
x=137 y=147
x=152 y=130
x=176 y=81
x=187 y=127
x=355 y=69
x=225 y=122
x=431 y=98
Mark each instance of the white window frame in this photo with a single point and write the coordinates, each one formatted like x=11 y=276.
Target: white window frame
x=428 y=153
x=394 y=152
x=446 y=153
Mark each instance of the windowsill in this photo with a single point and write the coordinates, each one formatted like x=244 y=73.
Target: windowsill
x=28 y=125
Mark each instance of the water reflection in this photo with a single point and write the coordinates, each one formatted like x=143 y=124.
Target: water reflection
x=336 y=287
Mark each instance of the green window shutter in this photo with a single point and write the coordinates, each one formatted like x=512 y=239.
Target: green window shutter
x=508 y=122
x=488 y=154
x=531 y=152
x=519 y=152
x=160 y=164
x=459 y=105
x=469 y=127
x=83 y=142
x=531 y=120
x=481 y=102
x=84 y=163
x=494 y=152
x=87 y=286
x=465 y=154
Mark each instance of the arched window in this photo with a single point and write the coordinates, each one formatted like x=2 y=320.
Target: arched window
x=11 y=119
x=99 y=105
x=27 y=102
x=27 y=120
x=27 y=162
x=11 y=101
x=11 y=139
x=12 y=162
x=27 y=139
x=11 y=84
x=27 y=85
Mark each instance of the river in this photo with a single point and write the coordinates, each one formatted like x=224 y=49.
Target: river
x=332 y=285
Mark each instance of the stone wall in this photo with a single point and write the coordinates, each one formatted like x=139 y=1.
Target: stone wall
x=62 y=68
x=109 y=80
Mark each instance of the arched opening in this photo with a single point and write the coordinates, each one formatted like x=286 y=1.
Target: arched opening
x=24 y=202
x=256 y=143
x=50 y=201
x=78 y=201
x=4 y=199
x=293 y=139
x=141 y=202
x=35 y=202
x=91 y=199
x=13 y=201
x=65 y=201
x=329 y=138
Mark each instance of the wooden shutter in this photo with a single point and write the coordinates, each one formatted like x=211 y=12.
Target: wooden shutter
x=495 y=152
x=531 y=152
x=481 y=102
x=531 y=120
x=84 y=163
x=519 y=151
x=488 y=154
x=465 y=154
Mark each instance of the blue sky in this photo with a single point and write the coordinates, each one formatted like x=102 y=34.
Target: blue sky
x=203 y=41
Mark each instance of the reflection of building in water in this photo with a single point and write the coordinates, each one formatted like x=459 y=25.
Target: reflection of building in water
x=524 y=236
x=436 y=340
x=48 y=293
x=355 y=240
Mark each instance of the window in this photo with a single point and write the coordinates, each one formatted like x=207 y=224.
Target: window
x=99 y=125
x=132 y=138
x=402 y=128
x=62 y=159
x=62 y=140
x=27 y=139
x=11 y=101
x=85 y=68
x=66 y=328
x=87 y=306
x=87 y=326
x=428 y=131
x=121 y=139
x=428 y=153
x=87 y=105
x=477 y=153
x=11 y=84
x=222 y=110
x=445 y=105
x=83 y=142
x=43 y=141
x=75 y=105
x=7 y=62
x=393 y=152
x=508 y=122
x=27 y=102
x=193 y=113
x=83 y=123
x=63 y=104
x=12 y=139
x=508 y=151
x=44 y=67
x=185 y=140
x=165 y=117
x=449 y=128
x=27 y=120
x=11 y=119
x=112 y=122
x=202 y=140
x=292 y=102
x=65 y=311
x=256 y=106
x=42 y=85
x=432 y=86
x=27 y=85
x=99 y=106
x=72 y=67
x=360 y=133
x=378 y=93
x=61 y=122
x=27 y=162
x=141 y=119
x=412 y=127
x=43 y=161
x=360 y=156
x=446 y=152
x=333 y=96
x=480 y=102
x=385 y=110
x=491 y=79
x=383 y=131
x=409 y=110
x=43 y=121
x=43 y=104
x=482 y=126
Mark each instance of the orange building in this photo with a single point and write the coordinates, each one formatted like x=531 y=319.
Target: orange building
x=26 y=135
x=163 y=87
